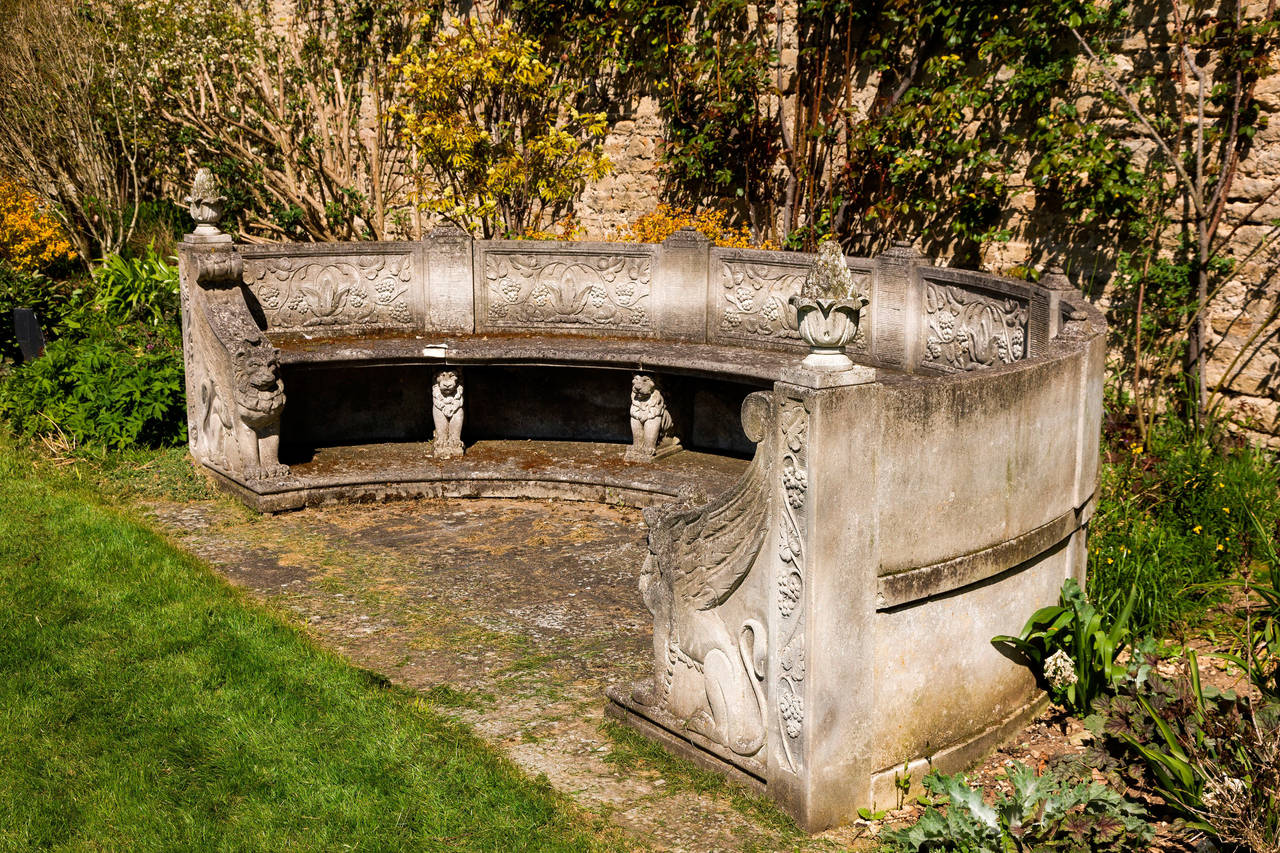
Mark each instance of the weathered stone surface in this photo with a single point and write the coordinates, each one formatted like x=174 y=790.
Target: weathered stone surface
x=946 y=478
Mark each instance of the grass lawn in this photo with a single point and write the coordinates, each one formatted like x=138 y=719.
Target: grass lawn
x=146 y=705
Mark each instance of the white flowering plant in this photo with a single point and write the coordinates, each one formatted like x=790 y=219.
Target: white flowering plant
x=1071 y=646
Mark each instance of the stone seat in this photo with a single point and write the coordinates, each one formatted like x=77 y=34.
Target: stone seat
x=562 y=470
x=735 y=363
x=823 y=612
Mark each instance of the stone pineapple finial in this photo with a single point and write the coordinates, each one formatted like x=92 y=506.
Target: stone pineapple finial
x=205 y=204
x=827 y=309
x=829 y=277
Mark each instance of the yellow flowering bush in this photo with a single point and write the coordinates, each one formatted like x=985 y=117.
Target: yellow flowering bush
x=31 y=238
x=493 y=139
x=666 y=220
x=567 y=228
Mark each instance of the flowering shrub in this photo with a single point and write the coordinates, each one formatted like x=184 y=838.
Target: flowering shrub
x=493 y=140
x=567 y=228
x=666 y=220
x=31 y=239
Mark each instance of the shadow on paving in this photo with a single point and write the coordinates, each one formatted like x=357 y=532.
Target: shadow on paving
x=510 y=615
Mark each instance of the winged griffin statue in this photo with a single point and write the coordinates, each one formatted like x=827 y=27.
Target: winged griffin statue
x=709 y=659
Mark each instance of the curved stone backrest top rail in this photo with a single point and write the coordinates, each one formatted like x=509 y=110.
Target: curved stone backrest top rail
x=681 y=290
x=822 y=614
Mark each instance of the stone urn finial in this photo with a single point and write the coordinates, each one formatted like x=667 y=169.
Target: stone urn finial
x=205 y=204
x=827 y=309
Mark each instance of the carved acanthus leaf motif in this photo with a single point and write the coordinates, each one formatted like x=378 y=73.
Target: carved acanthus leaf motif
x=371 y=291
x=548 y=290
x=968 y=331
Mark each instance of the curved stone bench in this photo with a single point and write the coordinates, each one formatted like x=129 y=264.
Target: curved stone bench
x=823 y=611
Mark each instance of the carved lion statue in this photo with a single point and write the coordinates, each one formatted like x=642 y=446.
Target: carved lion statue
x=446 y=411
x=651 y=425
x=258 y=391
x=259 y=398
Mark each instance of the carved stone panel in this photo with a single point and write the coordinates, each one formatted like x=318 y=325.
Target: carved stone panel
x=370 y=291
x=965 y=330
x=751 y=302
x=610 y=292
x=710 y=644
x=789 y=687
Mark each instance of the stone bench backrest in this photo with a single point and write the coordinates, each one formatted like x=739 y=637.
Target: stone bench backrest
x=919 y=316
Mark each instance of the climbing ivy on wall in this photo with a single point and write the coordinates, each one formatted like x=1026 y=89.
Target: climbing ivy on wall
x=973 y=104
x=969 y=106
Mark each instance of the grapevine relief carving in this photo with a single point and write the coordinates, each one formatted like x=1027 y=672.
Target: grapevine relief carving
x=754 y=300
x=967 y=330
x=610 y=290
x=305 y=293
x=791 y=579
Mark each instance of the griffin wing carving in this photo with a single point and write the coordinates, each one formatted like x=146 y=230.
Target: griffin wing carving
x=704 y=673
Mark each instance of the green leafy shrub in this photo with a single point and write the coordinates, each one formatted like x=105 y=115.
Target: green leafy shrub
x=112 y=388
x=1213 y=756
x=1073 y=648
x=1173 y=517
x=1041 y=812
x=57 y=305
x=143 y=288
x=112 y=376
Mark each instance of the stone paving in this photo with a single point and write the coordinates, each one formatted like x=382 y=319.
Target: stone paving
x=511 y=615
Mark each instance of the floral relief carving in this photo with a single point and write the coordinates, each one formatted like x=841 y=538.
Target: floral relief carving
x=549 y=290
x=968 y=331
x=306 y=293
x=754 y=300
x=794 y=420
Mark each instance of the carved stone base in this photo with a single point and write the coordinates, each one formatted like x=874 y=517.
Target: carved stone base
x=269 y=473
x=669 y=446
x=672 y=734
x=827 y=360
x=447 y=449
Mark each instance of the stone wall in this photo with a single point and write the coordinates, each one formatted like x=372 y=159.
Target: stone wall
x=1243 y=316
